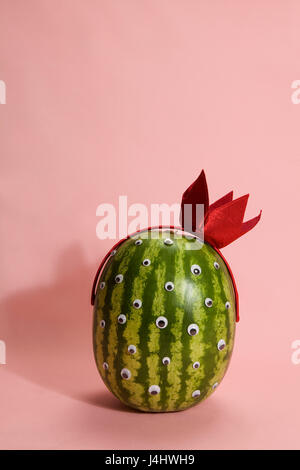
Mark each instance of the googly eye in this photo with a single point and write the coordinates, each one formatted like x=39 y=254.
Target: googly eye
x=119 y=278
x=102 y=285
x=137 y=303
x=196 y=394
x=131 y=349
x=215 y=385
x=216 y=265
x=146 y=262
x=196 y=365
x=161 y=322
x=154 y=390
x=113 y=253
x=168 y=242
x=125 y=374
x=105 y=365
x=102 y=323
x=138 y=242
x=193 y=329
x=195 y=269
x=227 y=305
x=166 y=361
x=208 y=302
x=221 y=345
x=169 y=286
x=121 y=319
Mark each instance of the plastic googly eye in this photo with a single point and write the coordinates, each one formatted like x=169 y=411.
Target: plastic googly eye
x=131 y=349
x=154 y=390
x=166 y=361
x=119 y=278
x=221 y=345
x=137 y=303
x=195 y=269
x=125 y=374
x=161 y=322
x=208 y=302
x=122 y=319
x=169 y=286
x=193 y=329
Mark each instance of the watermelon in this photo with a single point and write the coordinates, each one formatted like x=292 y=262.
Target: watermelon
x=165 y=311
x=164 y=321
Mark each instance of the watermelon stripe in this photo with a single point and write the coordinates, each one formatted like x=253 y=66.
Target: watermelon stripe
x=121 y=347
x=151 y=253
x=228 y=318
x=100 y=343
x=220 y=325
x=230 y=314
x=205 y=340
x=222 y=328
x=175 y=367
x=186 y=339
x=164 y=342
x=111 y=311
x=194 y=306
x=210 y=333
x=197 y=311
x=153 y=335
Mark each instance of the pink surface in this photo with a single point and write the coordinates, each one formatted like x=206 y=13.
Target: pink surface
x=135 y=97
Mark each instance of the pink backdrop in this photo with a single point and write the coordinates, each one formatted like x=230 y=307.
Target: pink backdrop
x=135 y=97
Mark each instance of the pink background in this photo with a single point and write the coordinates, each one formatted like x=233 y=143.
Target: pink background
x=106 y=98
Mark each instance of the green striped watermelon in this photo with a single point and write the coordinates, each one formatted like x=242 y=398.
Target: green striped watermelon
x=164 y=320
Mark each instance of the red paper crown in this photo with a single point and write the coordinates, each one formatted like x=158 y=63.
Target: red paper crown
x=223 y=220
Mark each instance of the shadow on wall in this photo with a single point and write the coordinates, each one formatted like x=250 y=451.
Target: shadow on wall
x=48 y=330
